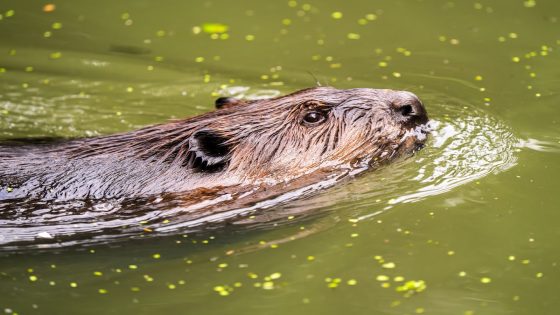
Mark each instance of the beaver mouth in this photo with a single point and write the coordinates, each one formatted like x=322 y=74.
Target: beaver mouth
x=413 y=139
x=410 y=141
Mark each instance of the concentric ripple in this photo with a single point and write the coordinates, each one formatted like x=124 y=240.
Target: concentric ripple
x=466 y=144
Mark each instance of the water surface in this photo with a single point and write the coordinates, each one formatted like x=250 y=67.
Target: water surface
x=466 y=226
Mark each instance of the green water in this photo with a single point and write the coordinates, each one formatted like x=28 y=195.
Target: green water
x=467 y=226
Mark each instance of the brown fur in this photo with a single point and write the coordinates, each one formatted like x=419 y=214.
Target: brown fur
x=263 y=142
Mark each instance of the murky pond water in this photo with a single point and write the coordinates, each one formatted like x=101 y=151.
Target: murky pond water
x=469 y=225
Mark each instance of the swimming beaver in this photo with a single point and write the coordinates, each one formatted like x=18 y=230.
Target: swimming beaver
x=242 y=143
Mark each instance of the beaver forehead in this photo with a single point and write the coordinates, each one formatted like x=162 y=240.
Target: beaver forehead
x=337 y=96
x=332 y=95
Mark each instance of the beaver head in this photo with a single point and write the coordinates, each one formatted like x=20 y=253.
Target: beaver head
x=285 y=137
x=244 y=142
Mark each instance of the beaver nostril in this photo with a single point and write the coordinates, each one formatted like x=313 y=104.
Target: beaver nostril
x=406 y=110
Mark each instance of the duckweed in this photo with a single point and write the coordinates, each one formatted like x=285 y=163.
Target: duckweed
x=337 y=15
x=412 y=286
x=485 y=280
x=212 y=28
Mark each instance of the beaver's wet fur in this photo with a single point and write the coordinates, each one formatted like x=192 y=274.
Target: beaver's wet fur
x=242 y=143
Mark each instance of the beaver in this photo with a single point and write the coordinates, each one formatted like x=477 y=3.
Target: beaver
x=241 y=143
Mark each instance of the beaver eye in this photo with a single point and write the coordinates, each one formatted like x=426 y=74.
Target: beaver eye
x=314 y=117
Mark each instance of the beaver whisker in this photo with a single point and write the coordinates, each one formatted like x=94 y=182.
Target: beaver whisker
x=334 y=137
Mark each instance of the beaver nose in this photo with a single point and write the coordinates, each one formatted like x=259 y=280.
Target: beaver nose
x=409 y=108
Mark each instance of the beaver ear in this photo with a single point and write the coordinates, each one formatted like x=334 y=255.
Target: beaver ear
x=226 y=102
x=210 y=150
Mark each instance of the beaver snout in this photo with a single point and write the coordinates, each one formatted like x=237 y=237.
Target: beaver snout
x=409 y=109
